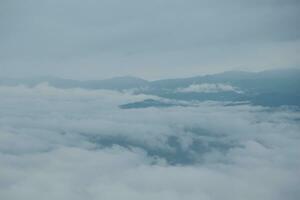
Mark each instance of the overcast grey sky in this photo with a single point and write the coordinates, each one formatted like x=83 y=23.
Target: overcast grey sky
x=150 y=39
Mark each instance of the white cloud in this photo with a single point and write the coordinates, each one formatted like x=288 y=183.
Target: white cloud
x=209 y=88
x=77 y=144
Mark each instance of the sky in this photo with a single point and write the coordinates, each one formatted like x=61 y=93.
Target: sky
x=96 y=39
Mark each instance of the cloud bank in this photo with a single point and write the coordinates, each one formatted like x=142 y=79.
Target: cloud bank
x=78 y=144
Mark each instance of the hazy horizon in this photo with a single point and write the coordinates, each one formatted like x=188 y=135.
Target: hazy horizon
x=163 y=78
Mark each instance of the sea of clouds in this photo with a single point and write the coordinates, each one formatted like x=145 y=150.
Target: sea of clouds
x=78 y=144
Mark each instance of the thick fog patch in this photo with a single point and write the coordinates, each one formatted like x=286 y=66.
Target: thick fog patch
x=78 y=144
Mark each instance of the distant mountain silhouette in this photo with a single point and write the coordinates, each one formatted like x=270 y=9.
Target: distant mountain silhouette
x=117 y=83
x=267 y=88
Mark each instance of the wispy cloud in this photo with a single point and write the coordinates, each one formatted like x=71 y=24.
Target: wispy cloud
x=209 y=88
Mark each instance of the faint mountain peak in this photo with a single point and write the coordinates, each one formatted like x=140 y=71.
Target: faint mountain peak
x=126 y=79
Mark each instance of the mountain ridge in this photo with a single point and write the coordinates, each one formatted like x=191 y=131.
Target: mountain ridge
x=267 y=88
x=225 y=74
